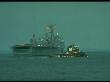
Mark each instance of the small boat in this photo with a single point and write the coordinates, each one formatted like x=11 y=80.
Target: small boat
x=73 y=51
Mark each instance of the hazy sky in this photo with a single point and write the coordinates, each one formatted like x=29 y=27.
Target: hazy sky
x=85 y=23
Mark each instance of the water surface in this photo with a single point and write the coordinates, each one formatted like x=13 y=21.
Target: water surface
x=95 y=67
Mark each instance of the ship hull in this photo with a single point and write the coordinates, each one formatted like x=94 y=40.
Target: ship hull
x=36 y=51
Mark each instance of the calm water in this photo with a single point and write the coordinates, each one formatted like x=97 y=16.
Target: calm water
x=95 y=67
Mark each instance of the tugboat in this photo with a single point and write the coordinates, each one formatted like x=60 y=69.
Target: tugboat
x=50 y=45
x=73 y=51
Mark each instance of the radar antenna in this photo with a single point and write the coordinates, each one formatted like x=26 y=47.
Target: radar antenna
x=50 y=28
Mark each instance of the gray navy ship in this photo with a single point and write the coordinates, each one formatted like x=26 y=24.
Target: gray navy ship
x=50 y=45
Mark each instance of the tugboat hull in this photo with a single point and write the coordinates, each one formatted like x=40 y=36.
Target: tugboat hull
x=80 y=54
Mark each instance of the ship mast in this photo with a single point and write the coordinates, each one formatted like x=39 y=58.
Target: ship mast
x=33 y=40
x=50 y=35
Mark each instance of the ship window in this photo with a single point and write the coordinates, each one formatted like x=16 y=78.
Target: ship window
x=70 y=49
x=38 y=45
